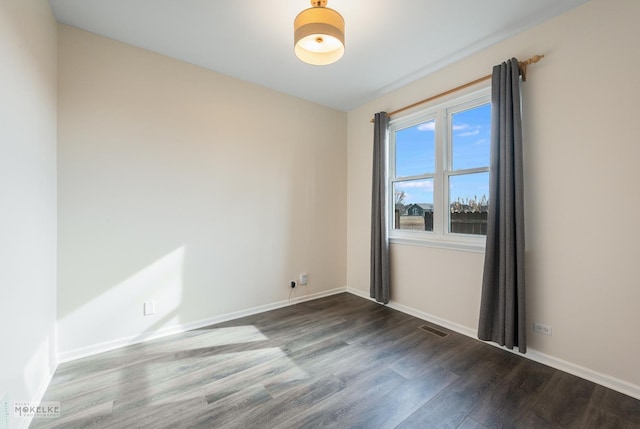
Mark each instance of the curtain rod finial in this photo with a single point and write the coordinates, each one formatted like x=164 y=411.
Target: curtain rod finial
x=536 y=58
x=523 y=65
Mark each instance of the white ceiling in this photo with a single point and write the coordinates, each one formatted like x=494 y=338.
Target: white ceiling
x=388 y=43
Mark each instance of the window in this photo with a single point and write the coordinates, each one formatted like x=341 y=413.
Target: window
x=439 y=173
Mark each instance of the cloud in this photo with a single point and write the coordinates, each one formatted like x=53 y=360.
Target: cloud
x=426 y=185
x=469 y=130
x=427 y=126
x=469 y=133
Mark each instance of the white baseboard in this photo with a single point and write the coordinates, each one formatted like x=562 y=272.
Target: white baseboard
x=545 y=359
x=24 y=423
x=586 y=373
x=37 y=398
x=560 y=364
x=70 y=355
x=419 y=314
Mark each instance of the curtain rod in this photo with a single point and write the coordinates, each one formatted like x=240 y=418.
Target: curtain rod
x=522 y=65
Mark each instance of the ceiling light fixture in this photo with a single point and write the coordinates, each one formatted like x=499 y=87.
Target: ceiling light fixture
x=319 y=34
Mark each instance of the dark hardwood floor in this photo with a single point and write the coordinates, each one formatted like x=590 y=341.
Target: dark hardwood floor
x=339 y=362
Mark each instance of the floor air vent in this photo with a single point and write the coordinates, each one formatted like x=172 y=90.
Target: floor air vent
x=434 y=331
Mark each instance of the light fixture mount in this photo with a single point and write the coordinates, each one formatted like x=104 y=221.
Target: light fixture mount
x=318 y=34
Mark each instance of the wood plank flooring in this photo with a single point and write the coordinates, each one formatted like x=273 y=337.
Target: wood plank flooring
x=336 y=362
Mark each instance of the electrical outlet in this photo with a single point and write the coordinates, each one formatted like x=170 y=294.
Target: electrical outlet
x=304 y=279
x=149 y=308
x=293 y=284
x=542 y=329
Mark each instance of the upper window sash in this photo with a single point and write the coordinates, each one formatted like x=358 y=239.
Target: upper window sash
x=442 y=114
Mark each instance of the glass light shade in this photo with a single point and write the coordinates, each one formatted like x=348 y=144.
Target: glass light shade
x=319 y=36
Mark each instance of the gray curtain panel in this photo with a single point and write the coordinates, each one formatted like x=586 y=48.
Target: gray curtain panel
x=502 y=309
x=380 y=278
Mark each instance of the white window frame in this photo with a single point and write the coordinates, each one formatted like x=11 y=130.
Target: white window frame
x=442 y=113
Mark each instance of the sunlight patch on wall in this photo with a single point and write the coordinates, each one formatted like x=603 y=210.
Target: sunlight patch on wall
x=120 y=309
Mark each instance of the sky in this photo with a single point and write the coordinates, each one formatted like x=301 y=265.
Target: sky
x=415 y=155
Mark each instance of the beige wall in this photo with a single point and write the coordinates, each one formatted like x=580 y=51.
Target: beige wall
x=27 y=201
x=582 y=152
x=176 y=184
x=208 y=194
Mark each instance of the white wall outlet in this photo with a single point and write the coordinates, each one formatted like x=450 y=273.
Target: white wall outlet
x=304 y=279
x=149 y=308
x=542 y=329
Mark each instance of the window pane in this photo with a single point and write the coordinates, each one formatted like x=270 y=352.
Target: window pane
x=413 y=201
x=468 y=203
x=415 y=150
x=470 y=134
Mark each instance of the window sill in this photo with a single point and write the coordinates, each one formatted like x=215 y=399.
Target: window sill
x=475 y=246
